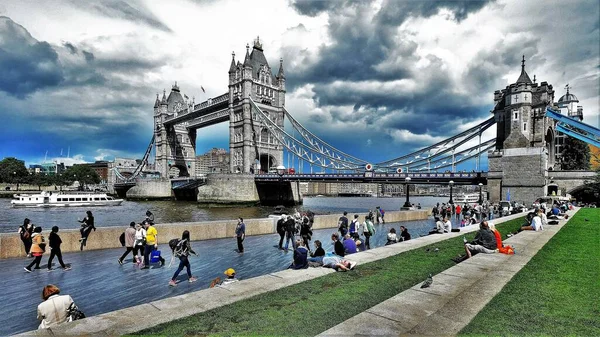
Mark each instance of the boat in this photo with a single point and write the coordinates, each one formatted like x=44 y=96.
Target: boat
x=466 y=198
x=54 y=199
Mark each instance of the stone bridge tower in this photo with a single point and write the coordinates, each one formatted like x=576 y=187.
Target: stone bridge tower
x=524 y=141
x=176 y=145
x=252 y=147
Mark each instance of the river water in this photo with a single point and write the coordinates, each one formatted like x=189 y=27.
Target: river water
x=184 y=211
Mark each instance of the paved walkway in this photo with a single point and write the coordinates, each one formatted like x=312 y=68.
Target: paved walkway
x=455 y=297
x=154 y=312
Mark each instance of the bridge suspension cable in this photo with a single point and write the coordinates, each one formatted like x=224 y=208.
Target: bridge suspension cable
x=140 y=166
x=432 y=151
x=310 y=154
x=454 y=158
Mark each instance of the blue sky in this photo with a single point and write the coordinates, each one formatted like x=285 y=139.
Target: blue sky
x=376 y=79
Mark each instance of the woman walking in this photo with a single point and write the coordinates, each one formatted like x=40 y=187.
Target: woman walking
x=25 y=232
x=140 y=243
x=54 y=241
x=37 y=249
x=183 y=250
x=87 y=224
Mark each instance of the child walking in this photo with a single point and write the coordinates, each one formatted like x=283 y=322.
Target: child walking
x=54 y=241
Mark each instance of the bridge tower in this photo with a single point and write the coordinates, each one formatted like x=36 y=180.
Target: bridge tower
x=252 y=147
x=175 y=145
x=525 y=140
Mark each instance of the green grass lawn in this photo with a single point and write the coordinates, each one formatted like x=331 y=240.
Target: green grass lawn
x=311 y=307
x=557 y=293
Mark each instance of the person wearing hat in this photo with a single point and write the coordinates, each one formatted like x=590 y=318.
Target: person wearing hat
x=230 y=273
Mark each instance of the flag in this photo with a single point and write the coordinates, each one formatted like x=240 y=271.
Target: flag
x=204 y=91
x=508 y=195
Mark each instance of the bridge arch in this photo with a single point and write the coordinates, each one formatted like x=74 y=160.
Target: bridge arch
x=177 y=170
x=550 y=147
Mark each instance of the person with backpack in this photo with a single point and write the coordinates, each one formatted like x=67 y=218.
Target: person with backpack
x=25 y=232
x=54 y=242
x=343 y=224
x=87 y=224
x=129 y=242
x=182 y=249
x=38 y=248
x=382 y=214
x=368 y=231
x=354 y=227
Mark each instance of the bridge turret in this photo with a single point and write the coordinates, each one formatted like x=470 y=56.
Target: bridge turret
x=156 y=104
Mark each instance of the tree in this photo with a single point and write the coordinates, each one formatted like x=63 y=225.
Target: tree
x=81 y=173
x=40 y=179
x=13 y=171
x=575 y=155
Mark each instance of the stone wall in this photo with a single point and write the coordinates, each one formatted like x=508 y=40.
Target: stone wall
x=150 y=189
x=108 y=237
x=228 y=188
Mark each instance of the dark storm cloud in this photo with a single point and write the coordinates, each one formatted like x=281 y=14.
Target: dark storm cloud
x=71 y=47
x=132 y=11
x=27 y=65
x=88 y=56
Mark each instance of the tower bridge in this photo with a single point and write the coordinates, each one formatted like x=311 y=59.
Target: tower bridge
x=520 y=156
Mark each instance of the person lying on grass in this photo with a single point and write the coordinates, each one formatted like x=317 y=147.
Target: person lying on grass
x=338 y=263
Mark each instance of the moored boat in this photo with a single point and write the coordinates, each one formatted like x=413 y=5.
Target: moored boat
x=53 y=199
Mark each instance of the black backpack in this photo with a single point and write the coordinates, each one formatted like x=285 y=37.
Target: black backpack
x=122 y=239
x=177 y=246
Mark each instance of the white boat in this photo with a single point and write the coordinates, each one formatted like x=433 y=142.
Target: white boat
x=58 y=199
x=466 y=198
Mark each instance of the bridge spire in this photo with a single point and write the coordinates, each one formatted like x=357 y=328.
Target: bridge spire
x=232 y=66
x=157 y=102
x=164 y=98
x=247 y=59
x=523 y=78
x=281 y=74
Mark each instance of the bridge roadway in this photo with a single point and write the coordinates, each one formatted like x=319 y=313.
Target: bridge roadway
x=98 y=284
x=459 y=178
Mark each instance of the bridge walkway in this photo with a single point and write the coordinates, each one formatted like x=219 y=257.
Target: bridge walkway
x=455 y=297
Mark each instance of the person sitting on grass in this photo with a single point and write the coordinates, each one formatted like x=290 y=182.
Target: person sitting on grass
x=338 y=263
x=230 y=273
x=317 y=255
x=439 y=228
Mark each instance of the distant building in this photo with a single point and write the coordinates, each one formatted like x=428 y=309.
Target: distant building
x=101 y=168
x=51 y=168
x=213 y=161
x=322 y=188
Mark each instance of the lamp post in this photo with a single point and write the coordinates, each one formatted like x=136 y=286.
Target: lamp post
x=451 y=182
x=15 y=178
x=280 y=172
x=407 y=203
x=480 y=201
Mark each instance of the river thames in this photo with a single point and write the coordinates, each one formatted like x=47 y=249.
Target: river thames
x=187 y=211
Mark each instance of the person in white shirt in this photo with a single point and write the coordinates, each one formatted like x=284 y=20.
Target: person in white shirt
x=447 y=225
x=536 y=223
x=53 y=311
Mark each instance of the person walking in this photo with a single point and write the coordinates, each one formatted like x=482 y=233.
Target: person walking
x=306 y=231
x=353 y=231
x=54 y=310
x=343 y=224
x=151 y=244
x=37 y=249
x=25 y=232
x=87 y=224
x=129 y=242
x=240 y=234
x=281 y=230
x=182 y=251
x=368 y=231
x=140 y=244
x=290 y=231
x=54 y=242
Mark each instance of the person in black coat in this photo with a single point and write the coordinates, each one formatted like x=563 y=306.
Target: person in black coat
x=54 y=242
x=281 y=230
x=404 y=234
x=87 y=224
x=338 y=247
x=290 y=230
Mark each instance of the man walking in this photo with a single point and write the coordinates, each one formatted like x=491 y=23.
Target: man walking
x=240 y=234
x=129 y=241
x=151 y=244
x=343 y=224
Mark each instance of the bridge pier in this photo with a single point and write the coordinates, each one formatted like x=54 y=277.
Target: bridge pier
x=151 y=189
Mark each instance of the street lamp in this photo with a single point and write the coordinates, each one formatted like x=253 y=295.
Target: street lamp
x=15 y=178
x=480 y=201
x=451 y=182
x=280 y=172
x=407 y=203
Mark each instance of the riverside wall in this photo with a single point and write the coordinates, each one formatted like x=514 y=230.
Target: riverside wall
x=108 y=237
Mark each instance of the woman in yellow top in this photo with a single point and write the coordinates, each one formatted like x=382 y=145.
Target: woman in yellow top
x=151 y=244
x=37 y=249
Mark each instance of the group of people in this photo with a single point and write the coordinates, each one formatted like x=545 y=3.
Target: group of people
x=288 y=226
x=465 y=214
x=35 y=245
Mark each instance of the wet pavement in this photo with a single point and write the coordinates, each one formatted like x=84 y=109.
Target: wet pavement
x=98 y=284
